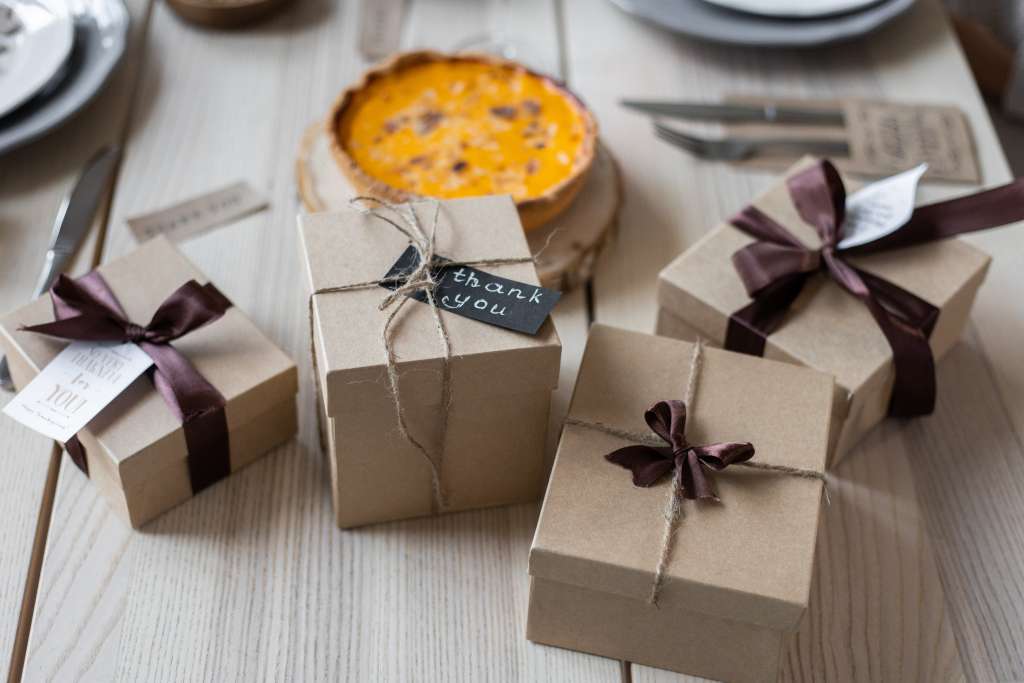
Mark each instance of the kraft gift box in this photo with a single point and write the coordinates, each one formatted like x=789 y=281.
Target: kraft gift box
x=738 y=579
x=135 y=448
x=826 y=328
x=492 y=450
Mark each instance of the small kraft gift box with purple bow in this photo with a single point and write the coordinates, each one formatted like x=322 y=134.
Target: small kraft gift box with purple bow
x=434 y=384
x=213 y=395
x=680 y=521
x=872 y=297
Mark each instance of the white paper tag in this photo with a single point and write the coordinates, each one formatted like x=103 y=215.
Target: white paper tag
x=880 y=208
x=76 y=386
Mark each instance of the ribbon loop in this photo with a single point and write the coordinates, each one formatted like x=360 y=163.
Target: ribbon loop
x=87 y=310
x=649 y=464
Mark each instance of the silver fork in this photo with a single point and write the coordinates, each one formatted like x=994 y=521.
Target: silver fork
x=735 y=149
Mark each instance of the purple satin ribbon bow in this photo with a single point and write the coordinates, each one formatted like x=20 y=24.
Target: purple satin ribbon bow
x=775 y=268
x=649 y=464
x=87 y=310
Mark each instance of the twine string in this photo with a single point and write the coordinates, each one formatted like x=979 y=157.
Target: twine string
x=419 y=279
x=674 y=505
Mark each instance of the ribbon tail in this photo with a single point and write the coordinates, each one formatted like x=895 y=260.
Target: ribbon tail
x=749 y=327
x=647 y=464
x=76 y=451
x=693 y=479
x=200 y=407
x=914 y=388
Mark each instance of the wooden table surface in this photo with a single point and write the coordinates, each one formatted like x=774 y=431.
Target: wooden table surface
x=921 y=558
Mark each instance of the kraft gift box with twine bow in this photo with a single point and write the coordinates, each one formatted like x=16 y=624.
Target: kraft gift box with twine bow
x=424 y=411
x=680 y=521
x=770 y=281
x=140 y=452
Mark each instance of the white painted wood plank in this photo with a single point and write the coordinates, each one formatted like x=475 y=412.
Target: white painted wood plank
x=969 y=457
x=886 y=621
x=35 y=178
x=877 y=611
x=251 y=580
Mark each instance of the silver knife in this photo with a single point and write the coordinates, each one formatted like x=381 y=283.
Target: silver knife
x=74 y=218
x=766 y=113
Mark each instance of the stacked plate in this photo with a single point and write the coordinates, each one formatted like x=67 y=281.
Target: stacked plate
x=55 y=55
x=769 y=23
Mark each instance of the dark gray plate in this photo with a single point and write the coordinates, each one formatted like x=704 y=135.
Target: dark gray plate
x=705 y=21
x=101 y=31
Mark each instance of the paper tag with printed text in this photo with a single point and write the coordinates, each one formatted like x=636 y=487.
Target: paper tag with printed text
x=76 y=385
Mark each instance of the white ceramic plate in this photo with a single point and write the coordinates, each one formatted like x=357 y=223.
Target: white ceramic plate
x=101 y=32
x=34 y=53
x=794 y=8
x=702 y=20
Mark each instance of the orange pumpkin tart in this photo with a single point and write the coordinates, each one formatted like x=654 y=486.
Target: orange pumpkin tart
x=426 y=124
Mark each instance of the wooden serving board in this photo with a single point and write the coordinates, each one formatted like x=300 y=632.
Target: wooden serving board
x=566 y=248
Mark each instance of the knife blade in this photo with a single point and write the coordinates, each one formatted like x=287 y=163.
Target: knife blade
x=766 y=113
x=74 y=218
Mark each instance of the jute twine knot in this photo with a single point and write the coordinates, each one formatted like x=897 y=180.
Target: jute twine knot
x=673 y=512
x=420 y=279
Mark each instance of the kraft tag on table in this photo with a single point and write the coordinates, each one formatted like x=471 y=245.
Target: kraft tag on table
x=76 y=385
x=884 y=137
x=481 y=296
x=200 y=214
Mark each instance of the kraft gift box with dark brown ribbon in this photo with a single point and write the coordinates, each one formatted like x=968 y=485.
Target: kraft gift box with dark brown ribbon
x=825 y=326
x=489 y=439
x=738 y=578
x=135 y=450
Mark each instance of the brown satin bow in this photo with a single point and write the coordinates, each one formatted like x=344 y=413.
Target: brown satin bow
x=649 y=464
x=775 y=268
x=87 y=310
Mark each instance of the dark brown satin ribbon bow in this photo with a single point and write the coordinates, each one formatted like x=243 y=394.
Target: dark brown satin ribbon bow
x=649 y=464
x=775 y=268
x=87 y=310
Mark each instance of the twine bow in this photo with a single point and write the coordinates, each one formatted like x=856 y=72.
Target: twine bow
x=403 y=287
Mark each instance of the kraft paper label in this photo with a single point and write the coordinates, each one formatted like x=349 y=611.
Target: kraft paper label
x=76 y=385
x=883 y=137
x=200 y=214
x=481 y=296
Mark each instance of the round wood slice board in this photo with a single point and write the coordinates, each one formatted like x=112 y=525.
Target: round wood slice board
x=566 y=248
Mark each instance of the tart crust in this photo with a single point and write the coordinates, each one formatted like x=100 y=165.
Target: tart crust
x=533 y=211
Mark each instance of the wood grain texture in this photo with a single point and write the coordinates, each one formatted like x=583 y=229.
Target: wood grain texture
x=971 y=452
x=251 y=580
x=35 y=178
x=890 y=624
x=877 y=611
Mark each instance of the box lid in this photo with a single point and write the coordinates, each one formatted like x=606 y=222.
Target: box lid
x=826 y=328
x=138 y=431
x=748 y=558
x=347 y=247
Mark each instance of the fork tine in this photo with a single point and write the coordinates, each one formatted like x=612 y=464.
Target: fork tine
x=678 y=134
x=683 y=142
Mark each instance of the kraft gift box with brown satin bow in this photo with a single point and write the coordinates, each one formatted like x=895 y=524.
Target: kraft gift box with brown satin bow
x=738 y=578
x=825 y=328
x=491 y=441
x=135 y=449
